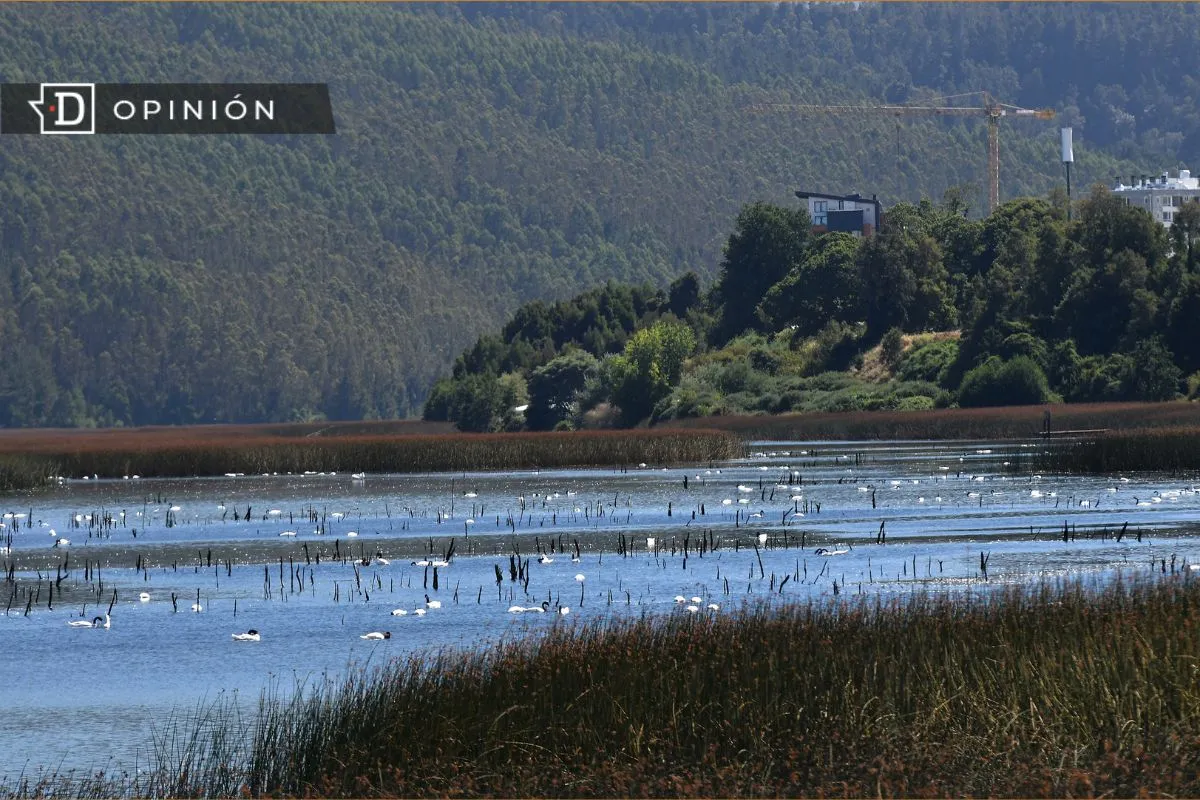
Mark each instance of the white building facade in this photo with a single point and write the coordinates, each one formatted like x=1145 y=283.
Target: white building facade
x=1162 y=196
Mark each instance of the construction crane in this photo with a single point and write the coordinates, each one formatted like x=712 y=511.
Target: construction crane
x=991 y=109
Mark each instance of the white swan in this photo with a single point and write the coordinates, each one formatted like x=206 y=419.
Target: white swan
x=432 y=603
x=376 y=635
x=564 y=610
x=197 y=607
x=545 y=559
x=82 y=623
x=420 y=612
x=527 y=609
x=144 y=597
x=249 y=636
x=399 y=612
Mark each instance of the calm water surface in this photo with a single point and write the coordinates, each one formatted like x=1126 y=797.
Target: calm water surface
x=93 y=698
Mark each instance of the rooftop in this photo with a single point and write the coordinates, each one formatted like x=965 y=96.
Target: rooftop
x=1160 y=183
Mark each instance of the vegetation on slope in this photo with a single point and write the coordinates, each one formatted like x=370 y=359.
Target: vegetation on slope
x=1098 y=308
x=487 y=156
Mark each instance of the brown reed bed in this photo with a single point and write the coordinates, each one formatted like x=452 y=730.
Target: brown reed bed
x=1052 y=690
x=1175 y=450
x=1014 y=422
x=30 y=461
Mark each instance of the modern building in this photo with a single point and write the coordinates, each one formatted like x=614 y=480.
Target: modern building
x=1161 y=196
x=853 y=214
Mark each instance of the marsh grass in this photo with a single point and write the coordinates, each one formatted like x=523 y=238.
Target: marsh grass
x=1048 y=690
x=28 y=460
x=1015 y=422
x=1175 y=450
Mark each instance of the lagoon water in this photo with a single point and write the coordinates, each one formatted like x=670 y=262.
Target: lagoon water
x=90 y=699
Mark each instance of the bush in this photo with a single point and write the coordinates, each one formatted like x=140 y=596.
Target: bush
x=891 y=348
x=928 y=361
x=1017 y=382
x=915 y=403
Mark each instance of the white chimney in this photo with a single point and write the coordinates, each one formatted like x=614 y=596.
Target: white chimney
x=1068 y=154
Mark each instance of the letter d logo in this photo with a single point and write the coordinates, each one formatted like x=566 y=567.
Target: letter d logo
x=67 y=108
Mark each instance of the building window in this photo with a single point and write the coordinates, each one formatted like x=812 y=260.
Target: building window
x=1167 y=216
x=820 y=219
x=1178 y=201
x=820 y=206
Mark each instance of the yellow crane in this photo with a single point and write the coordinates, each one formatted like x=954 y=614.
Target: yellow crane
x=991 y=109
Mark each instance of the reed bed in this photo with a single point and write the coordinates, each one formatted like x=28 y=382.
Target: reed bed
x=1175 y=450
x=1016 y=422
x=29 y=462
x=1051 y=690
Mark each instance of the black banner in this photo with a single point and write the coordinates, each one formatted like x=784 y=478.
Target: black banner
x=195 y=108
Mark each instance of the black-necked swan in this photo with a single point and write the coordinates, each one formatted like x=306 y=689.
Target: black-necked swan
x=377 y=635
x=249 y=636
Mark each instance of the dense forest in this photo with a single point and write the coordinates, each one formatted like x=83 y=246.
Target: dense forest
x=1026 y=306
x=489 y=156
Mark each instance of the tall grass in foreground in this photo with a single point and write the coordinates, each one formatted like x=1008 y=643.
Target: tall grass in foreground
x=173 y=454
x=1047 y=691
x=1165 y=450
x=1014 y=422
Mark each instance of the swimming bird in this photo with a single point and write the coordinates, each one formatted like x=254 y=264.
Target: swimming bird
x=376 y=635
x=197 y=607
x=82 y=623
x=144 y=597
x=420 y=612
x=399 y=612
x=680 y=598
x=545 y=559
x=249 y=636
x=564 y=610
x=692 y=609
x=534 y=609
x=432 y=603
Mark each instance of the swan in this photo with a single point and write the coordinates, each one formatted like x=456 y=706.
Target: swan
x=82 y=623
x=420 y=612
x=533 y=609
x=376 y=635
x=432 y=603
x=545 y=559
x=399 y=612
x=358 y=476
x=580 y=577
x=692 y=609
x=697 y=600
x=713 y=607
x=564 y=610
x=680 y=598
x=197 y=607
x=249 y=636
x=144 y=597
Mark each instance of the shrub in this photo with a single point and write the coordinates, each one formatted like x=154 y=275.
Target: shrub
x=1004 y=383
x=891 y=347
x=917 y=402
x=928 y=361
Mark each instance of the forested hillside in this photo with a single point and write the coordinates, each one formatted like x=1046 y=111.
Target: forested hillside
x=486 y=156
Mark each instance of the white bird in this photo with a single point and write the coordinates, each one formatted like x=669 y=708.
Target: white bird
x=288 y=533
x=697 y=600
x=62 y=543
x=564 y=610
x=545 y=559
x=197 y=607
x=399 y=612
x=420 y=612
x=432 y=603
x=680 y=598
x=82 y=623
x=376 y=635
x=530 y=609
x=713 y=607
x=249 y=636
x=693 y=609
x=144 y=597
x=581 y=577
